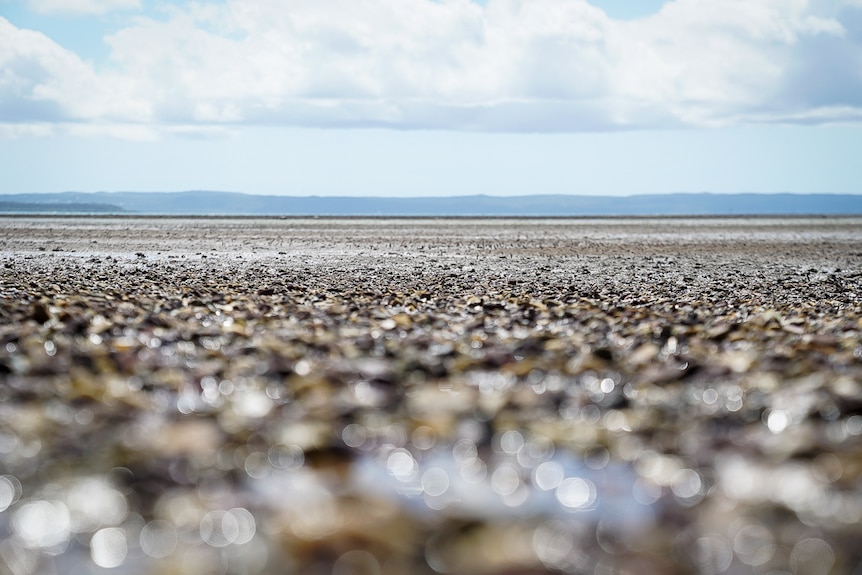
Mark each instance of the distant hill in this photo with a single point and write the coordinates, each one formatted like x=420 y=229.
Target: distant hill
x=36 y=206
x=230 y=203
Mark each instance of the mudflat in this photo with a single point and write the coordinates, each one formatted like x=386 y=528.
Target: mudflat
x=376 y=396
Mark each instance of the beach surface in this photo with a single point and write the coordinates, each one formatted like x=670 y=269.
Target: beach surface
x=466 y=396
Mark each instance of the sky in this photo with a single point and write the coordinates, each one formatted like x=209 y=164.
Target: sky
x=431 y=97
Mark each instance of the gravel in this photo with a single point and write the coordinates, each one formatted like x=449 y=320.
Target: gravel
x=466 y=396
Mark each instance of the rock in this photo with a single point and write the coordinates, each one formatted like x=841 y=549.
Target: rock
x=39 y=313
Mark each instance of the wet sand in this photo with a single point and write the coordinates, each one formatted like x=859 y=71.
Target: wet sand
x=502 y=396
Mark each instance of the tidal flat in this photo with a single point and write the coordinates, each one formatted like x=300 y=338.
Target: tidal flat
x=372 y=396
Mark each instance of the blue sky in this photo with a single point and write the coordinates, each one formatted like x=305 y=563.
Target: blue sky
x=431 y=97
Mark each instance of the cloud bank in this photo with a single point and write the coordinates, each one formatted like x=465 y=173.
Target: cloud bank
x=508 y=65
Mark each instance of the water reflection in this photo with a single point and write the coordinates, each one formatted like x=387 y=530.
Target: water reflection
x=108 y=547
x=43 y=524
x=158 y=539
x=515 y=499
x=549 y=483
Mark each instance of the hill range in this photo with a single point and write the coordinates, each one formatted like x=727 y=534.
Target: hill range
x=234 y=203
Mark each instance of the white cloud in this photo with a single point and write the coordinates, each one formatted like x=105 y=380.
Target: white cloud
x=510 y=65
x=97 y=7
x=41 y=81
x=18 y=130
x=38 y=77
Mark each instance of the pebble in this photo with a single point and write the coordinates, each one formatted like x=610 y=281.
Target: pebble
x=417 y=396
